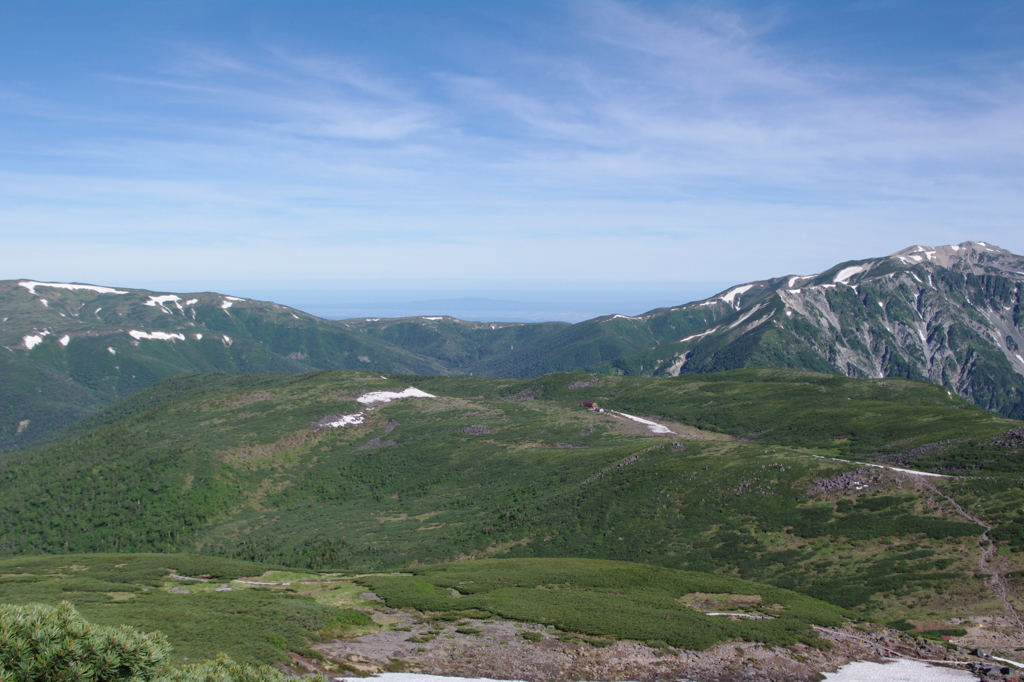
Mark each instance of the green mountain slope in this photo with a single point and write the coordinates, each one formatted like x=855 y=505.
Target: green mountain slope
x=298 y=470
x=71 y=349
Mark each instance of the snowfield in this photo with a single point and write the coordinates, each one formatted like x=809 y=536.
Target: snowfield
x=898 y=671
x=160 y=300
x=654 y=427
x=388 y=396
x=370 y=399
x=730 y=297
x=846 y=273
x=31 y=286
x=33 y=340
x=156 y=336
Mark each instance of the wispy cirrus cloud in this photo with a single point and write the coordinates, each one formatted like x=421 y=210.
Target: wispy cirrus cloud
x=677 y=126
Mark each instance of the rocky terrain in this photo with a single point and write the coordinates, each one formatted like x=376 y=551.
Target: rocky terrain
x=476 y=648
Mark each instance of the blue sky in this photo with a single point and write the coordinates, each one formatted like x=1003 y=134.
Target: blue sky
x=543 y=151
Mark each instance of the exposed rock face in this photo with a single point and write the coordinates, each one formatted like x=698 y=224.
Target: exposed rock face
x=949 y=314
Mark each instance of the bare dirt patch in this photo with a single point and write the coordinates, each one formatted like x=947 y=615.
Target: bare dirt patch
x=477 y=648
x=256 y=455
x=738 y=603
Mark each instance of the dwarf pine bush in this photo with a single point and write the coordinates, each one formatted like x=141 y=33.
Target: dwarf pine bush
x=40 y=643
x=55 y=644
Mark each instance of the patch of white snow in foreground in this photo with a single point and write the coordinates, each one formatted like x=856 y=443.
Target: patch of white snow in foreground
x=388 y=396
x=897 y=671
x=111 y=350
x=31 y=286
x=64 y=340
x=156 y=336
x=417 y=677
x=654 y=427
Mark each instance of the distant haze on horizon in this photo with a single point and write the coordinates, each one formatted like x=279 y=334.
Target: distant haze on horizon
x=561 y=158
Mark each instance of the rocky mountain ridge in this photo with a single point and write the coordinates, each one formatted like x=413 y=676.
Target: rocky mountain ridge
x=949 y=314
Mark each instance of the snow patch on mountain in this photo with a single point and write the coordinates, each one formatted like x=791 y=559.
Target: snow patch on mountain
x=155 y=301
x=341 y=420
x=844 y=275
x=31 y=286
x=697 y=336
x=653 y=427
x=33 y=340
x=746 y=316
x=156 y=336
x=388 y=396
x=730 y=296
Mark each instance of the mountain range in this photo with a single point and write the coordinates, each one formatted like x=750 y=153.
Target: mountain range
x=950 y=315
